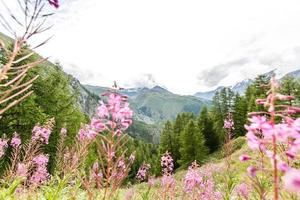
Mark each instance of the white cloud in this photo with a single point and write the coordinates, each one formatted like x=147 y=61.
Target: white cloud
x=178 y=42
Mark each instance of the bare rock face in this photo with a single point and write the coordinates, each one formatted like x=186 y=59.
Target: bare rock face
x=87 y=101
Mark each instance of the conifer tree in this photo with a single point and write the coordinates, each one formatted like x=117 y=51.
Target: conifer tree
x=239 y=115
x=192 y=145
x=205 y=125
x=167 y=138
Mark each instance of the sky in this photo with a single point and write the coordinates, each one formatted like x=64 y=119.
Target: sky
x=186 y=46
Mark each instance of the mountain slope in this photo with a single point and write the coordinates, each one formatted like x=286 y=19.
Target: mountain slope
x=156 y=105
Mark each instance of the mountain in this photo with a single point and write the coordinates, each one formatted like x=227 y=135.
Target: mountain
x=157 y=104
x=209 y=94
x=241 y=87
x=294 y=74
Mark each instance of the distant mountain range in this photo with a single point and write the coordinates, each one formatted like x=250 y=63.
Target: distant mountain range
x=156 y=105
x=241 y=86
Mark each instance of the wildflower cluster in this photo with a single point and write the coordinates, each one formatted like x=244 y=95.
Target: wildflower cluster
x=167 y=164
x=41 y=133
x=167 y=181
x=192 y=179
x=242 y=190
x=3 y=146
x=143 y=171
x=40 y=174
x=113 y=117
x=275 y=134
x=199 y=183
x=228 y=122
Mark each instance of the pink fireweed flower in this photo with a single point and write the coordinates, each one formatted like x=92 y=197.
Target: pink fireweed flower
x=143 y=171
x=260 y=101
x=244 y=157
x=284 y=167
x=168 y=183
x=252 y=171
x=22 y=170
x=97 y=125
x=102 y=111
x=192 y=179
x=111 y=155
x=115 y=114
x=124 y=112
x=15 y=141
x=86 y=134
x=166 y=163
x=3 y=146
x=41 y=134
x=291 y=180
x=125 y=123
x=54 y=3
x=228 y=124
x=242 y=190
x=96 y=173
x=114 y=100
x=284 y=97
x=41 y=159
x=40 y=175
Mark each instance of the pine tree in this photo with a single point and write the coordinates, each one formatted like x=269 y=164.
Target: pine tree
x=239 y=115
x=167 y=138
x=290 y=86
x=205 y=125
x=223 y=102
x=192 y=145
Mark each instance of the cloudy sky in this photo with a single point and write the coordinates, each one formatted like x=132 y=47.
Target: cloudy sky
x=184 y=45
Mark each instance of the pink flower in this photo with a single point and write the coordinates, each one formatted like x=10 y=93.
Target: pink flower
x=192 y=179
x=284 y=97
x=21 y=170
x=284 y=167
x=86 y=134
x=15 y=141
x=40 y=175
x=41 y=159
x=252 y=171
x=40 y=133
x=142 y=173
x=166 y=163
x=114 y=101
x=97 y=125
x=96 y=173
x=3 y=146
x=54 y=3
x=125 y=123
x=292 y=180
x=243 y=190
x=102 y=110
x=244 y=157
x=168 y=183
x=228 y=122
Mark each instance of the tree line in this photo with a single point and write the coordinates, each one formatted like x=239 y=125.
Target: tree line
x=190 y=137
